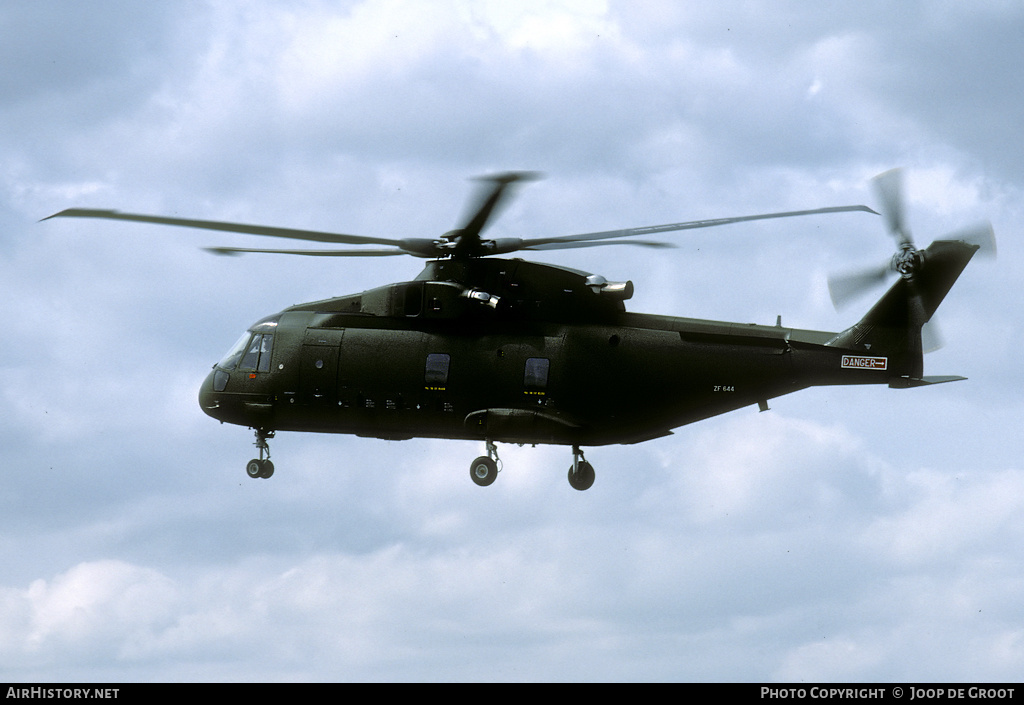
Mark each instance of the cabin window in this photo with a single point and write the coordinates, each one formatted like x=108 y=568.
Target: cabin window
x=437 y=370
x=535 y=378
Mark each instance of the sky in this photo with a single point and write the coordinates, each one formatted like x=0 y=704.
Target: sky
x=848 y=534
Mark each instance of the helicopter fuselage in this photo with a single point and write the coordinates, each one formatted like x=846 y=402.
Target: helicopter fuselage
x=512 y=351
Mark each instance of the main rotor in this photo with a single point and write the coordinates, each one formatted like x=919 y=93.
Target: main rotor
x=466 y=242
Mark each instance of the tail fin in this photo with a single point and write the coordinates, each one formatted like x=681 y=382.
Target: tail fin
x=893 y=325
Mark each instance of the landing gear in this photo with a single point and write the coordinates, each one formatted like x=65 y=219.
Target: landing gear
x=581 y=473
x=484 y=470
x=261 y=467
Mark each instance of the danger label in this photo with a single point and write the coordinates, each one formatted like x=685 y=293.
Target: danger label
x=860 y=362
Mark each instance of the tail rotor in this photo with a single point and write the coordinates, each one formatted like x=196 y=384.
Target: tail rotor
x=910 y=265
x=907 y=260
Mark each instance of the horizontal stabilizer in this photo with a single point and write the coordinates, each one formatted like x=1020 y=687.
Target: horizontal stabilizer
x=907 y=382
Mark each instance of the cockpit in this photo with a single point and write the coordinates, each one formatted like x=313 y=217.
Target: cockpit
x=251 y=353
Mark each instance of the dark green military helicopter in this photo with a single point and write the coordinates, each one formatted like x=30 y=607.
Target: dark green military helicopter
x=506 y=350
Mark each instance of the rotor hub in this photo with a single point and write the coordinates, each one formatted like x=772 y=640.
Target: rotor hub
x=906 y=261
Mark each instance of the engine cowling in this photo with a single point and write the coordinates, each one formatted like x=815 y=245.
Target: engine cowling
x=618 y=291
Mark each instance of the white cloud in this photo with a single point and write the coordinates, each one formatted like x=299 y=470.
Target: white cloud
x=93 y=613
x=949 y=517
x=835 y=660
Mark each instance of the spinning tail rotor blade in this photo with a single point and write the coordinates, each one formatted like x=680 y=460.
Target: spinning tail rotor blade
x=917 y=318
x=889 y=186
x=845 y=288
x=981 y=235
x=931 y=337
x=912 y=265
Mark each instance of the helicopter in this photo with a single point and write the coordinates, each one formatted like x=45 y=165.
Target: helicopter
x=506 y=350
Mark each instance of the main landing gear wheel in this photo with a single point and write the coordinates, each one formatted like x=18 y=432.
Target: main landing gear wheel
x=581 y=473
x=583 y=477
x=484 y=470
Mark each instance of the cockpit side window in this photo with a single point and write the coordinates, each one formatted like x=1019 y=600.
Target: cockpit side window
x=266 y=347
x=251 y=353
x=257 y=353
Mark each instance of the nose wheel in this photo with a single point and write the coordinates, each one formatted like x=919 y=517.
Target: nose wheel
x=581 y=473
x=261 y=467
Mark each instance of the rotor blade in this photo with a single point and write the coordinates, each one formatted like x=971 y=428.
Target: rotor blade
x=889 y=186
x=981 y=235
x=311 y=253
x=313 y=235
x=598 y=243
x=931 y=337
x=844 y=288
x=689 y=225
x=484 y=208
x=917 y=315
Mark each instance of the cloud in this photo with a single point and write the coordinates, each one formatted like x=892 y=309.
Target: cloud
x=809 y=569
x=951 y=517
x=95 y=612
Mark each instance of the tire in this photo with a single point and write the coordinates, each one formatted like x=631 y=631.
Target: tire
x=254 y=469
x=483 y=470
x=584 y=476
x=268 y=470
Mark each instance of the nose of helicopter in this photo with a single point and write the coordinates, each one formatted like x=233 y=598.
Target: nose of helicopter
x=208 y=399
